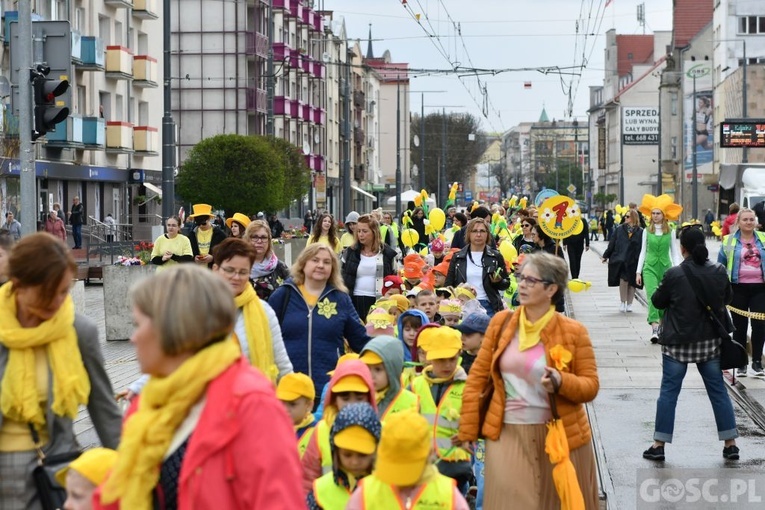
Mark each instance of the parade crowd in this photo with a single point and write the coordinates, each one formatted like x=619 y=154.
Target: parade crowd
x=419 y=360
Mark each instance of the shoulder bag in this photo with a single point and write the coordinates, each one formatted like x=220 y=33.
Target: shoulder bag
x=51 y=494
x=732 y=353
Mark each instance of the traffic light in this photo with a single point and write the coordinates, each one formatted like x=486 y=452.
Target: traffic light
x=46 y=90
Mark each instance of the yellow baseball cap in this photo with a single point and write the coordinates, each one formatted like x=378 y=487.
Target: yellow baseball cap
x=404 y=449
x=440 y=343
x=356 y=438
x=293 y=386
x=371 y=358
x=401 y=302
x=93 y=464
x=342 y=359
x=350 y=382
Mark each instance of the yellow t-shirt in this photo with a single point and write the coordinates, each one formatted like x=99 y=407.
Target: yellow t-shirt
x=325 y=240
x=180 y=245
x=15 y=436
x=204 y=238
x=347 y=240
x=310 y=299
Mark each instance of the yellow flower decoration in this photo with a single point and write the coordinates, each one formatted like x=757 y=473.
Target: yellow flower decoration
x=452 y=414
x=561 y=357
x=523 y=202
x=327 y=308
x=663 y=203
x=513 y=201
x=418 y=201
x=453 y=191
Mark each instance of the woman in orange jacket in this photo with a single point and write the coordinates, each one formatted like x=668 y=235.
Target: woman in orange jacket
x=532 y=358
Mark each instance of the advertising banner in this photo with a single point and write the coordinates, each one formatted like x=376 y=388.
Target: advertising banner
x=698 y=124
x=640 y=125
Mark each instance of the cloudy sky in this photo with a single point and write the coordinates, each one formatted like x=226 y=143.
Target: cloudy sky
x=499 y=35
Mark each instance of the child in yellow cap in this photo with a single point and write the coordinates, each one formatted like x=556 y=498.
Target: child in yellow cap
x=351 y=383
x=384 y=355
x=404 y=474
x=440 y=387
x=450 y=311
x=83 y=475
x=297 y=393
x=353 y=441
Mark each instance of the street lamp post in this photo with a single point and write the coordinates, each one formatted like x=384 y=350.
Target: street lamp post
x=694 y=178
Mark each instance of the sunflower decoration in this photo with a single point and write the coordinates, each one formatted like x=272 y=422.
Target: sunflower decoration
x=663 y=203
x=327 y=308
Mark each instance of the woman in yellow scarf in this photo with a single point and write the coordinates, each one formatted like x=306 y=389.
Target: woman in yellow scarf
x=207 y=430
x=50 y=364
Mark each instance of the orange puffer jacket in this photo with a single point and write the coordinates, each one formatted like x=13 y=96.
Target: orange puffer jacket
x=579 y=382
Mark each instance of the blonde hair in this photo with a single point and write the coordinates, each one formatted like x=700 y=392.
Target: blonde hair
x=471 y=226
x=664 y=222
x=742 y=211
x=374 y=226
x=632 y=214
x=310 y=251
x=189 y=306
x=249 y=233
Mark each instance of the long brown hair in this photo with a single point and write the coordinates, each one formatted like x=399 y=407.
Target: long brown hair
x=40 y=260
x=317 y=230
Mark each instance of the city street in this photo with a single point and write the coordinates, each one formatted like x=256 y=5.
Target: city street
x=622 y=416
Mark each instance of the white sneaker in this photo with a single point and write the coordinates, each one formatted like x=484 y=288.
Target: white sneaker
x=629 y=308
x=623 y=307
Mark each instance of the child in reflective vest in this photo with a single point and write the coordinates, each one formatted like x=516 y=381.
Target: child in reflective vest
x=384 y=355
x=297 y=393
x=440 y=387
x=404 y=475
x=353 y=441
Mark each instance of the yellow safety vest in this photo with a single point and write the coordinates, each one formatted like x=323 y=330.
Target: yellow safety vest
x=304 y=439
x=444 y=417
x=437 y=494
x=328 y=494
x=404 y=400
x=322 y=436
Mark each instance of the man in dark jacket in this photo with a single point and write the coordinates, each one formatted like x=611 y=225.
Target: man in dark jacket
x=575 y=246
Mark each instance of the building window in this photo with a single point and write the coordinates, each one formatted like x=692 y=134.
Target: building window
x=143 y=113
x=119 y=107
x=751 y=25
x=673 y=142
x=118 y=33
x=673 y=103
x=143 y=44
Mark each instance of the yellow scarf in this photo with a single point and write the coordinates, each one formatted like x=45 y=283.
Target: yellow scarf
x=164 y=404
x=258 y=332
x=528 y=333
x=308 y=420
x=427 y=373
x=18 y=392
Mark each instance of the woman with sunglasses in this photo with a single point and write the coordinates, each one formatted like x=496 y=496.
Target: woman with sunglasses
x=481 y=266
x=526 y=238
x=268 y=272
x=658 y=251
x=743 y=254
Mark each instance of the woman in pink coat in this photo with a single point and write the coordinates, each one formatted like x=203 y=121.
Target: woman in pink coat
x=207 y=430
x=54 y=225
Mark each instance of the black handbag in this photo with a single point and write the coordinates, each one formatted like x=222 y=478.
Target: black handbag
x=732 y=353
x=52 y=495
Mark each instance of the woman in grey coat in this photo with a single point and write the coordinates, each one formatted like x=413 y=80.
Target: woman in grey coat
x=50 y=364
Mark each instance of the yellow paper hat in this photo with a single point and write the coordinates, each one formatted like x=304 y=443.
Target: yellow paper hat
x=450 y=307
x=664 y=203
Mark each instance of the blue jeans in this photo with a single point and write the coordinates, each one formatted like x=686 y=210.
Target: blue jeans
x=487 y=306
x=673 y=373
x=77 y=234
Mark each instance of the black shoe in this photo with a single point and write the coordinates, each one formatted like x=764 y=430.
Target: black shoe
x=731 y=452
x=657 y=453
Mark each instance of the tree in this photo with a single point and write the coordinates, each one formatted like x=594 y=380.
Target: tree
x=462 y=154
x=558 y=177
x=234 y=173
x=297 y=175
x=602 y=199
x=501 y=178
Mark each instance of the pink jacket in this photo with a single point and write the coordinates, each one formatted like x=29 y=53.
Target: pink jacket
x=243 y=435
x=56 y=227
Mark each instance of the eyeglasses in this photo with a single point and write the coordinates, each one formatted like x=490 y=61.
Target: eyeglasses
x=480 y=232
x=230 y=272
x=259 y=239
x=525 y=225
x=530 y=280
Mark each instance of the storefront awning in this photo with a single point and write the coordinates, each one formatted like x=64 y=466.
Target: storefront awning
x=362 y=192
x=149 y=186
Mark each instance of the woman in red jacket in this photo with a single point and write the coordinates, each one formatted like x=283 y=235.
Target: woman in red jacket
x=207 y=429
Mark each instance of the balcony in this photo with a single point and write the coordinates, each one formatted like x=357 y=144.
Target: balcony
x=68 y=134
x=257 y=45
x=359 y=172
x=282 y=105
x=359 y=99
x=145 y=9
x=9 y=16
x=146 y=141
x=358 y=136
x=119 y=4
x=119 y=63
x=295 y=107
x=281 y=52
x=294 y=9
x=308 y=16
x=76 y=47
x=296 y=59
x=306 y=65
x=319 y=163
x=145 y=72
x=309 y=160
x=257 y=100
x=281 y=4
x=318 y=22
x=317 y=69
x=119 y=137
x=92 y=56
x=306 y=112
x=93 y=132
x=318 y=116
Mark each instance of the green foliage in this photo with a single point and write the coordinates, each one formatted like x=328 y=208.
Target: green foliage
x=557 y=177
x=602 y=199
x=234 y=173
x=297 y=175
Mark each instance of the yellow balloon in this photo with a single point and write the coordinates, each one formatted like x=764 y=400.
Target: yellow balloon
x=437 y=218
x=409 y=237
x=508 y=251
x=578 y=285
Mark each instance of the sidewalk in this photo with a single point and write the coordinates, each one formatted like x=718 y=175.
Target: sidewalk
x=630 y=372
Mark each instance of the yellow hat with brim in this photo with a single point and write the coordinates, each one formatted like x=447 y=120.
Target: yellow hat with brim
x=240 y=218
x=350 y=382
x=356 y=438
x=201 y=210
x=401 y=302
x=371 y=358
x=440 y=343
x=342 y=359
x=404 y=449
x=293 y=386
x=92 y=464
